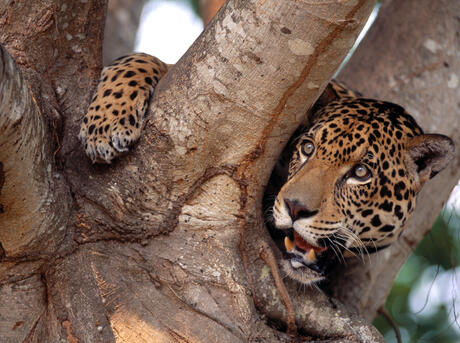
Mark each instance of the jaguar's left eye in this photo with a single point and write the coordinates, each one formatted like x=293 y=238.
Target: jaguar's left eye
x=308 y=148
x=361 y=172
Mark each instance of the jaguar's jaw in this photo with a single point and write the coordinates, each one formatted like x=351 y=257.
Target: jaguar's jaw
x=303 y=261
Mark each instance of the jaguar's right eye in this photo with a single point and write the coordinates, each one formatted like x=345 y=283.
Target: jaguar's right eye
x=307 y=148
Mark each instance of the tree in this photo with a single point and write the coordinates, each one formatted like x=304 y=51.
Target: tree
x=168 y=243
x=120 y=28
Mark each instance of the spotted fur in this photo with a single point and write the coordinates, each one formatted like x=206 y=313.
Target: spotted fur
x=352 y=180
x=117 y=111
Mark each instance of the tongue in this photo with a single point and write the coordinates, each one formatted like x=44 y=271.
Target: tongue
x=300 y=243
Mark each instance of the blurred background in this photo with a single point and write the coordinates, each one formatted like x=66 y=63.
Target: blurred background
x=424 y=301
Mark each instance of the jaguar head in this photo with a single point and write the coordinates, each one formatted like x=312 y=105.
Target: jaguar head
x=352 y=183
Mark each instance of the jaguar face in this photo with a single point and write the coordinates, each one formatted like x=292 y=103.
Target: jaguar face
x=352 y=183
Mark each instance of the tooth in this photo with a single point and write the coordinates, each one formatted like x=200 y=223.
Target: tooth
x=311 y=256
x=288 y=243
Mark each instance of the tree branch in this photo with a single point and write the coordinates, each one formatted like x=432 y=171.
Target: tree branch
x=57 y=56
x=33 y=199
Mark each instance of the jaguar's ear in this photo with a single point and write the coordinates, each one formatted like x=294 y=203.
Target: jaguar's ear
x=329 y=94
x=430 y=153
x=335 y=90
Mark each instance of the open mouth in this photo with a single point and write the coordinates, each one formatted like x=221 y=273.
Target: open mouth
x=302 y=245
x=302 y=254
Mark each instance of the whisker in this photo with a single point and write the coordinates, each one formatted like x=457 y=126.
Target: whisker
x=356 y=239
x=336 y=251
x=348 y=234
x=347 y=249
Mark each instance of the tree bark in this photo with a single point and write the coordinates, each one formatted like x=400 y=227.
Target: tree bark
x=30 y=186
x=168 y=243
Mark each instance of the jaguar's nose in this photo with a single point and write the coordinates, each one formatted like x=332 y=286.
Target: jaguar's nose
x=297 y=210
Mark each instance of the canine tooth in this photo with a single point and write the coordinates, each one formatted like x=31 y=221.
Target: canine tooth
x=288 y=243
x=311 y=256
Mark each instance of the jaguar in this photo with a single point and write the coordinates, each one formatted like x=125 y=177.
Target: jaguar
x=347 y=183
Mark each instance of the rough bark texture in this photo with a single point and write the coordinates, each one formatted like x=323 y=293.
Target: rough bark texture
x=34 y=197
x=57 y=46
x=121 y=28
x=411 y=56
x=168 y=243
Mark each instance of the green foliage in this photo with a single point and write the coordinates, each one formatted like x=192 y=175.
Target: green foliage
x=430 y=268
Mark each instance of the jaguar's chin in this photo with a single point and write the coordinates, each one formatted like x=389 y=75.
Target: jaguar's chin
x=302 y=274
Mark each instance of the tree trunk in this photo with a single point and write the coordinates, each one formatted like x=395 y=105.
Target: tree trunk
x=121 y=28
x=168 y=243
